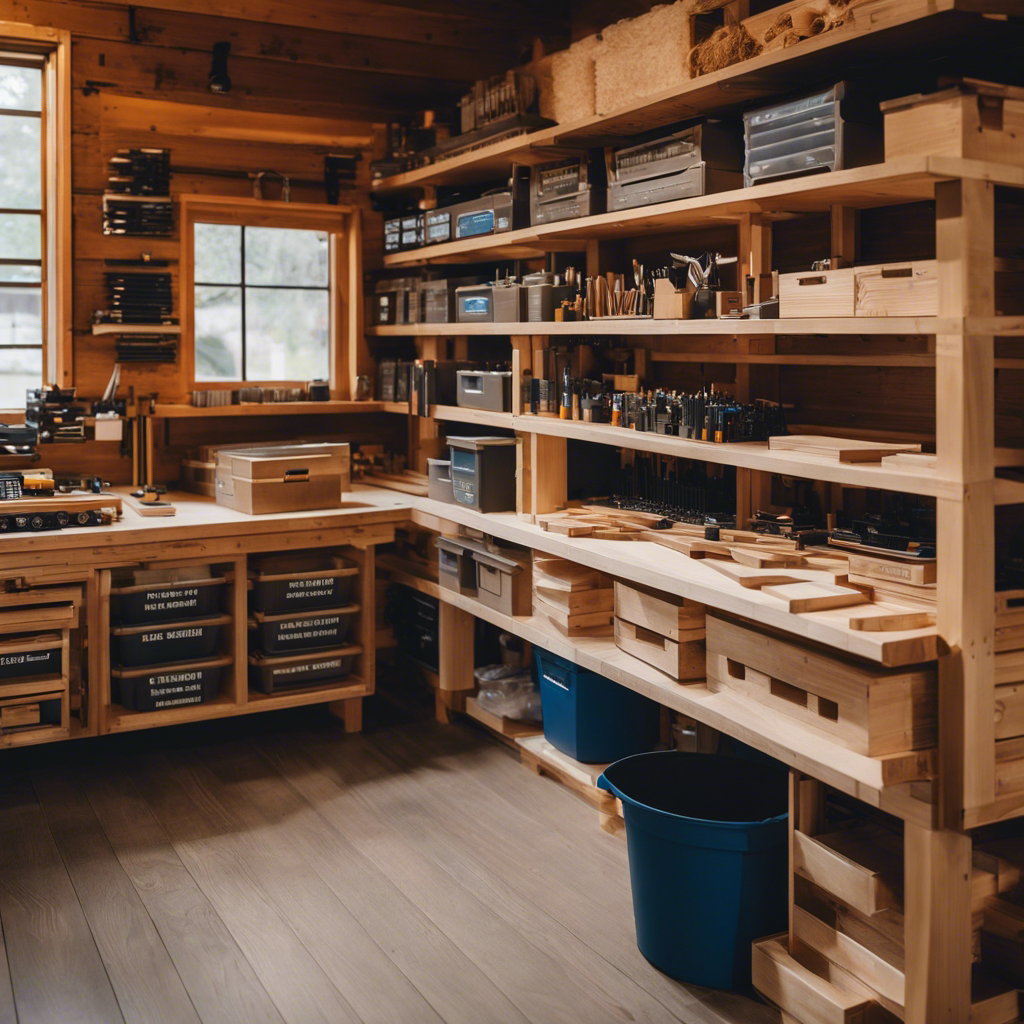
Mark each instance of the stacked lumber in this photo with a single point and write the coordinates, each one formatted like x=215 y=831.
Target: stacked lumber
x=577 y=600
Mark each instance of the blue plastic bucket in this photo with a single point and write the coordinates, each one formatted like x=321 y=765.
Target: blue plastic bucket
x=708 y=859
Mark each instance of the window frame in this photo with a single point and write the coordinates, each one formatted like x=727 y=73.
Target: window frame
x=342 y=223
x=54 y=45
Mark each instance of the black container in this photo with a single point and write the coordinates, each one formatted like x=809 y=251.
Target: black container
x=167 y=686
x=300 y=592
x=167 y=602
x=41 y=654
x=416 y=621
x=305 y=631
x=193 y=640
x=271 y=675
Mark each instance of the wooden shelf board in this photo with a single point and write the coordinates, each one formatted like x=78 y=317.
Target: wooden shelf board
x=402 y=572
x=121 y=719
x=351 y=687
x=922 y=24
x=905 y=180
x=35 y=734
x=659 y=568
x=776 y=735
x=847 y=325
x=511 y=728
x=167 y=411
x=479 y=417
x=170 y=329
x=400 y=407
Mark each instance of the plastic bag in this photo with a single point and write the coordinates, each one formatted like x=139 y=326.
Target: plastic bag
x=505 y=691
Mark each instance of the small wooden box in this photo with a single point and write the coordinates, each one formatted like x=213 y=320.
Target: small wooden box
x=671 y=303
x=503 y=580
x=897 y=289
x=865 y=708
x=975 y=120
x=284 y=478
x=817 y=293
x=682 y=660
x=662 y=630
x=577 y=600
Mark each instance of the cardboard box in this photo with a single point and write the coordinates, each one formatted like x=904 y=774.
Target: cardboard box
x=283 y=478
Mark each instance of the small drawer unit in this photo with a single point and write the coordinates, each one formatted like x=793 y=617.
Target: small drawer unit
x=303 y=631
x=166 y=643
x=154 y=688
x=591 y=718
x=485 y=389
x=456 y=568
x=416 y=620
x=313 y=582
x=503 y=580
x=439 y=480
x=484 y=472
x=296 y=671
x=36 y=654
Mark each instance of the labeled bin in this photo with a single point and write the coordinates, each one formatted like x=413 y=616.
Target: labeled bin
x=306 y=631
x=145 y=603
x=591 y=718
x=708 y=859
x=328 y=587
x=270 y=675
x=167 y=686
x=134 y=646
x=40 y=654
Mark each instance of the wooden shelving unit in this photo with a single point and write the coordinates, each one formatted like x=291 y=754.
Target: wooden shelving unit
x=179 y=412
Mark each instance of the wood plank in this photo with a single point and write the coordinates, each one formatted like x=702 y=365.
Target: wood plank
x=51 y=954
x=190 y=928
x=140 y=970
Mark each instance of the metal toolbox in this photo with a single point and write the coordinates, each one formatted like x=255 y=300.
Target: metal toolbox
x=474 y=304
x=167 y=686
x=138 y=604
x=508 y=302
x=485 y=389
x=698 y=180
x=484 y=472
x=270 y=675
x=503 y=580
x=134 y=646
x=567 y=189
x=282 y=478
x=456 y=569
x=303 y=631
x=328 y=585
x=39 y=654
x=826 y=131
x=439 y=480
x=817 y=293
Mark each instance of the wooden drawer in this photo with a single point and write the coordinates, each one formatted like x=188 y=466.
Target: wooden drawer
x=578 y=601
x=34 y=711
x=897 y=289
x=682 y=660
x=671 y=616
x=817 y=293
x=866 y=708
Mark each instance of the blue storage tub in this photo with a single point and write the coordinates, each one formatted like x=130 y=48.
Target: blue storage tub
x=708 y=859
x=591 y=718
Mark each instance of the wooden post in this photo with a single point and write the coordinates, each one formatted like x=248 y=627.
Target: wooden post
x=524 y=476
x=239 y=633
x=937 y=916
x=965 y=438
x=522 y=362
x=456 y=655
x=845 y=234
x=548 y=468
x=754 y=248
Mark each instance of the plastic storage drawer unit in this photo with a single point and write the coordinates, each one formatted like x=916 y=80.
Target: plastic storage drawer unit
x=271 y=675
x=38 y=655
x=134 y=646
x=166 y=602
x=456 y=569
x=330 y=587
x=307 y=631
x=591 y=718
x=167 y=686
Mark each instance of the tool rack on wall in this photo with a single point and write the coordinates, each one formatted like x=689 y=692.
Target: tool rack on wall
x=962 y=372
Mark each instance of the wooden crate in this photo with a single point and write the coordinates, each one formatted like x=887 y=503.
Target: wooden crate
x=663 y=630
x=817 y=293
x=897 y=289
x=863 y=707
x=578 y=601
x=976 y=120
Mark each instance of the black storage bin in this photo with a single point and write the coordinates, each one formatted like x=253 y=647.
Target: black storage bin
x=135 y=646
x=307 y=631
x=271 y=675
x=167 y=602
x=330 y=587
x=416 y=619
x=39 y=654
x=167 y=686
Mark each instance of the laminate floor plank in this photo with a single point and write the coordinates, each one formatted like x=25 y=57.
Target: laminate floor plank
x=8 y=1015
x=220 y=981
x=136 y=960
x=301 y=991
x=57 y=975
x=543 y=988
x=331 y=934
x=488 y=814
x=249 y=786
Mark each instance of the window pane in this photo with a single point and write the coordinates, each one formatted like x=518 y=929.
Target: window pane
x=20 y=163
x=20 y=236
x=218 y=253
x=286 y=334
x=21 y=317
x=26 y=273
x=20 y=369
x=21 y=88
x=286 y=256
x=218 y=333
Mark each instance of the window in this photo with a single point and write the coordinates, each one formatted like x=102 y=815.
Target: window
x=261 y=306
x=22 y=220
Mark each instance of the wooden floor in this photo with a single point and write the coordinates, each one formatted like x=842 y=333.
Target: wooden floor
x=275 y=869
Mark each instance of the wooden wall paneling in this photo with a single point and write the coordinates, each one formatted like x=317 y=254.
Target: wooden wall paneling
x=964 y=443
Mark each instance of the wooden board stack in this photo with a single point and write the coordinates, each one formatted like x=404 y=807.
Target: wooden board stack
x=576 y=600
x=840 y=449
x=663 y=630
